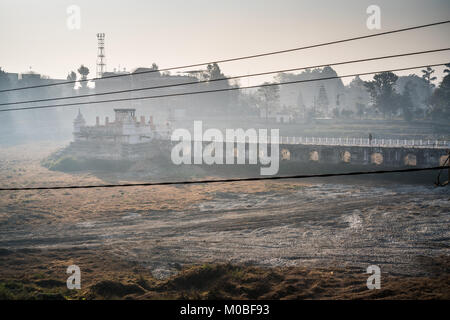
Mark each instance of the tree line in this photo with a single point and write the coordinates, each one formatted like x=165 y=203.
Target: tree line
x=389 y=102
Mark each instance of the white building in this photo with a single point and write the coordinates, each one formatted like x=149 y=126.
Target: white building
x=125 y=129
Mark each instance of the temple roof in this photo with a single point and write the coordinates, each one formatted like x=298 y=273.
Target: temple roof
x=79 y=118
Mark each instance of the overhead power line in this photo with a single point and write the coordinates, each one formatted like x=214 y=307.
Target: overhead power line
x=239 y=58
x=228 y=78
x=165 y=183
x=218 y=90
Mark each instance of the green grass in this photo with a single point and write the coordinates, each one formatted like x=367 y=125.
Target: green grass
x=29 y=290
x=72 y=164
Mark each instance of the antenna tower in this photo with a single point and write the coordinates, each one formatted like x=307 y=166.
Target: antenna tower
x=101 y=61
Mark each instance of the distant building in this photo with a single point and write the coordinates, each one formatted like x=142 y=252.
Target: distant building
x=124 y=138
x=304 y=95
x=148 y=78
x=281 y=116
x=124 y=129
x=322 y=106
x=284 y=117
x=145 y=82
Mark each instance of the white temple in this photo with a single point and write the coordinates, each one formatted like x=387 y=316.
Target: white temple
x=124 y=130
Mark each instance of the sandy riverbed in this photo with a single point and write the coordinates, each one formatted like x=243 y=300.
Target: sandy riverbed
x=403 y=229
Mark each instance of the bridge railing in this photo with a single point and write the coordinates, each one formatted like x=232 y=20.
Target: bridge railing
x=364 y=142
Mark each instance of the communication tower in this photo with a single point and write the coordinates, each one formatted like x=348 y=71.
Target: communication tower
x=101 y=60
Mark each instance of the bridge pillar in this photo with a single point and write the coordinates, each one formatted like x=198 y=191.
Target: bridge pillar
x=366 y=156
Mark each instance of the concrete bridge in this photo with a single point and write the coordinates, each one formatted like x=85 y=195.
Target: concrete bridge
x=357 y=151
x=388 y=152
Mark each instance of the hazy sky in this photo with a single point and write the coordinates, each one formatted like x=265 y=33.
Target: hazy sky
x=177 y=32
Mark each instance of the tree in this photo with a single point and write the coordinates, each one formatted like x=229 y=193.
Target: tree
x=382 y=92
x=440 y=100
x=221 y=102
x=247 y=103
x=420 y=92
x=154 y=66
x=427 y=76
x=346 y=113
x=83 y=71
x=72 y=76
x=213 y=72
x=301 y=108
x=4 y=80
x=447 y=70
x=360 y=109
x=405 y=102
x=270 y=96
x=6 y=120
x=300 y=103
x=336 y=113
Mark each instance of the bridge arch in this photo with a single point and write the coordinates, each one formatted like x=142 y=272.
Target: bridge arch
x=376 y=158
x=285 y=154
x=443 y=159
x=314 y=156
x=410 y=160
x=346 y=156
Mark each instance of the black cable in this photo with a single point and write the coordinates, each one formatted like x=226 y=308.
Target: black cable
x=228 y=78
x=218 y=90
x=303 y=176
x=239 y=58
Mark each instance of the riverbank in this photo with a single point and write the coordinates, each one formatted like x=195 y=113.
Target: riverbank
x=40 y=274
